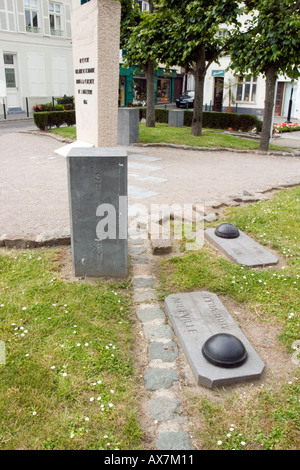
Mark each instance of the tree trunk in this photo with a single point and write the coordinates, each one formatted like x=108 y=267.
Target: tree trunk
x=149 y=70
x=266 y=132
x=199 y=89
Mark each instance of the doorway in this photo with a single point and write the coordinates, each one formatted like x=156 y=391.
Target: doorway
x=218 y=93
x=11 y=79
x=279 y=98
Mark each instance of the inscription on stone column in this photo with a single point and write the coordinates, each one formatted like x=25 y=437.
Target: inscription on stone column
x=84 y=84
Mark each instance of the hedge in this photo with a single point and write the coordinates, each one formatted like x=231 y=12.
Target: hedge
x=47 y=119
x=212 y=120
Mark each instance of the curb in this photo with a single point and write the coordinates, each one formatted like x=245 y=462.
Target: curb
x=29 y=241
x=292 y=153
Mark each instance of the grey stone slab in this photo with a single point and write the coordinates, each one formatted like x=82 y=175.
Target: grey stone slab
x=164 y=409
x=139 y=193
x=158 y=332
x=137 y=250
x=167 y=352
x=150 y=314
x=144 y=295
x=128 y=126
x=97 y=179
x=156 y=379
x=146 y=158
x=176 y=118
x=142 y=166
x=197 y=316
x=143 y=281
x=174 y=441
x=242 y=250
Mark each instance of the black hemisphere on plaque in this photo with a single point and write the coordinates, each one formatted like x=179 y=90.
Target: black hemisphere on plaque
x=227 y=230
x=224 y=350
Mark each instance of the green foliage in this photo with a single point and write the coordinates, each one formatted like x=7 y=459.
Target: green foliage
x=271 y=38
x=47 y=119
x=212 y=120
x=189 y=25
x=68 y=381
x=235 y=121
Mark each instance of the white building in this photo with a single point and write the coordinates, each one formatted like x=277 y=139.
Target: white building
x=35 y=52
x=223 y=90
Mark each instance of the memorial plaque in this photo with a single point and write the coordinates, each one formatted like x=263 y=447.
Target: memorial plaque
x=98 y=211
x=197 y=316
x=241 y=250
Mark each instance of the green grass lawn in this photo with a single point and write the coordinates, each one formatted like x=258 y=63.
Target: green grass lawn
x=162 y=133
x=263 y=417
x=68 y=380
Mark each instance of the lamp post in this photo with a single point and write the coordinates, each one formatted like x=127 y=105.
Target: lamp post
x=290 y=107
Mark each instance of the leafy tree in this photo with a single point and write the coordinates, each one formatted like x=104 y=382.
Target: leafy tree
x=269 y=45
x=188 y=35
x=137 y=41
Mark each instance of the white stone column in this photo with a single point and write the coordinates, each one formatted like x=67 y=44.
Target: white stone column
x=96 y=44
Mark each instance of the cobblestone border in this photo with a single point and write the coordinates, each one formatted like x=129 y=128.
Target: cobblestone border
x=161 y=377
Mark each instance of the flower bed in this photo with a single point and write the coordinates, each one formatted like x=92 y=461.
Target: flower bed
x=286 y=127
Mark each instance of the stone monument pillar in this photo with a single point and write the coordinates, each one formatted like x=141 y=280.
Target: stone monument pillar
x=96 y=45
x=98 y=211
x=97 y=176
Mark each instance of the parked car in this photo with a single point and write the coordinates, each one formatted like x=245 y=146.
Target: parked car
x=186 y=99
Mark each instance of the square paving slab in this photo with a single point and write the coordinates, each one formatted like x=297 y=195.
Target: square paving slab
x=195 y=317
x=241 y=250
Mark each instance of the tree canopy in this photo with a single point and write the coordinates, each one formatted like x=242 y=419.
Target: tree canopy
x=269 y=44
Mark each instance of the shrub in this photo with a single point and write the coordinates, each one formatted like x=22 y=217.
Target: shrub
x=39 y=108
x=47 y=119
x=41 y=119
x=212 y=120
x=216 y=120
x=66 y=101
x=59 y=107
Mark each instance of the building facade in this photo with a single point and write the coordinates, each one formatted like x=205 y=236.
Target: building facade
x=224 y=91
x=35 y=52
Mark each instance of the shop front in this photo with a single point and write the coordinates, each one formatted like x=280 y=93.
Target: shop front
x=133 y=87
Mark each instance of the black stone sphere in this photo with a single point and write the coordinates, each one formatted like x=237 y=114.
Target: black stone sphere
x=227 y=230
x=224 y=350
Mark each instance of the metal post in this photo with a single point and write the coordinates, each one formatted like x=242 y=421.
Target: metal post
x=4 y=110
x=273 y=109
x=27 y=109
x=290 y=107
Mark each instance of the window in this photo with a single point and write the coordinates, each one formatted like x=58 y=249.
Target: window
x=246 y=89
x=55 y=17
x=31 y=16
x=7 y=16
x=8 y=59
x=10 y=75
x=144 y=6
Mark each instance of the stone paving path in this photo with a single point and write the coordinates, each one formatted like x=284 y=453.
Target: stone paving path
x=161 y=378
